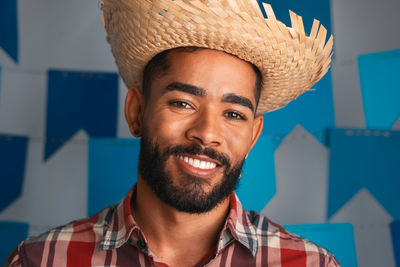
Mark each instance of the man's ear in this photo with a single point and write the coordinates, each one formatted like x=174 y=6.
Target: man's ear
x=134 y=106
x=257 y=129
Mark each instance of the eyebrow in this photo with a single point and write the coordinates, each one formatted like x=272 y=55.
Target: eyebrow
x=198 y=91
x=240 y=100
x=186 y=88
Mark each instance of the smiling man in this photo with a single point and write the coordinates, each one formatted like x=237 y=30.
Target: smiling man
x=200 y=74
x=197 y=123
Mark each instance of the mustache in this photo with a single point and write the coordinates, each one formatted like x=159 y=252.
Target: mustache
x=196 y=149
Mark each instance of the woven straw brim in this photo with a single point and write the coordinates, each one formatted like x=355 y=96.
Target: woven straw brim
x=290 y=62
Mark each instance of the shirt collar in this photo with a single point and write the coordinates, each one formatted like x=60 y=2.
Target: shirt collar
x=239 y=227
x=119 y=226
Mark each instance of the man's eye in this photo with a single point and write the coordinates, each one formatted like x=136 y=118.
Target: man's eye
x=180 y=104
x=235 y=115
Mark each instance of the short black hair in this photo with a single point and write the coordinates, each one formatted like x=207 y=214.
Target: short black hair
x=160 y=64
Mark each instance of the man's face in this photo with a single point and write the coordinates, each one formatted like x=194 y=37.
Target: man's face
x=198 y=127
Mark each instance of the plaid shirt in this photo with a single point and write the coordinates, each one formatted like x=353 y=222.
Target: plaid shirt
x=112 y=238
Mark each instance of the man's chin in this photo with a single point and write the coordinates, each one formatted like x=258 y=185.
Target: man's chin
x=179 y=188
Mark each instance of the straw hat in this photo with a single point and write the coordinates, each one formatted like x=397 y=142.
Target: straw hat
x=290 y=62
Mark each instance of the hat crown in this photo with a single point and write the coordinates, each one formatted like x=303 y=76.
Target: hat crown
x=290 y=61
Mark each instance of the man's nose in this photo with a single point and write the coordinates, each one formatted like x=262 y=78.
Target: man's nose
x=205 y=129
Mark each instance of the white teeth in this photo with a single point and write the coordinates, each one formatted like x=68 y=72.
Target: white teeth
x=207 y=165
x=201 y=164
x=196 y=163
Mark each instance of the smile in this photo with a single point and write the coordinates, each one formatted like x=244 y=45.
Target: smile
x=200 y=164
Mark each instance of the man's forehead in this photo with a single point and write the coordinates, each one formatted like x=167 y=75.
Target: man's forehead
x=213 y=67
x=186 y=53
x=217 y=73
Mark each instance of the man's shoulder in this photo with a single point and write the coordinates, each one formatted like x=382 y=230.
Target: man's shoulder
x=81 y=228
x=274 y=236
x=86 y=232
x=265 y=229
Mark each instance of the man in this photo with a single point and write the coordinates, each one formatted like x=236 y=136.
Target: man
x=196 y=94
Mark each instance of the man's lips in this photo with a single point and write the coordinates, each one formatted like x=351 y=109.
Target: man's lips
x=198 y=165
x=204 y=163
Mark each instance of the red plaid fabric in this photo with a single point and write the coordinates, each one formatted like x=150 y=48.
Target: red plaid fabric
x=112 y=238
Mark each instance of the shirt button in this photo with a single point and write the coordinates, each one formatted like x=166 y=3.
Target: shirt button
x=141 y=244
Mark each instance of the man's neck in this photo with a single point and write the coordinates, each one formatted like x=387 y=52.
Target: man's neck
x=175 y=236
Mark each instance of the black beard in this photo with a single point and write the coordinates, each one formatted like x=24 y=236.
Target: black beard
x=189 y=196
